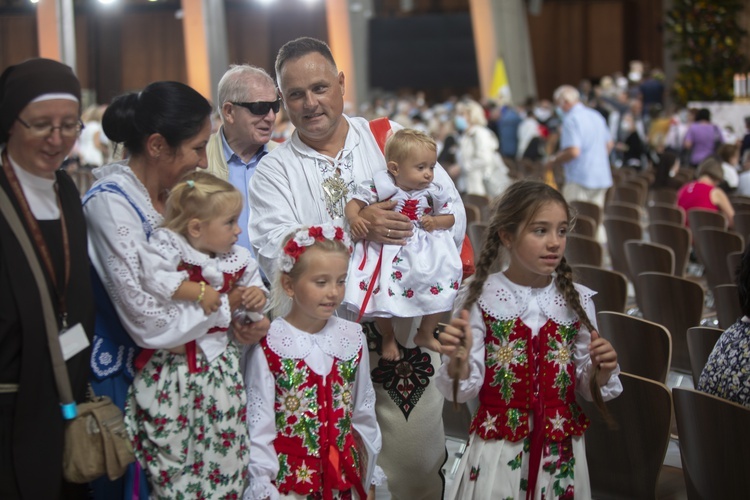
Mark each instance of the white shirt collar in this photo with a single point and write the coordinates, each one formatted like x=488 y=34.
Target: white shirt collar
x=339 y=338
x=506 y=300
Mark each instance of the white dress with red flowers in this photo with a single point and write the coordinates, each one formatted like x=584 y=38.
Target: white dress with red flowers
x=408 y=281
x=186 y=412
x=499 y=468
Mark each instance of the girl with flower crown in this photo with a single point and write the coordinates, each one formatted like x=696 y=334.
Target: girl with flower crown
x=186 y=408
x=311 y=403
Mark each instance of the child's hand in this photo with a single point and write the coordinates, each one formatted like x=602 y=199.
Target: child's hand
x=457 y=340
x=428 y=223
x=359 y=227
x=211 y=300
x=251 y=333
x=235 y=297
x=254 y=299
x=603 y=355
x=371 y=493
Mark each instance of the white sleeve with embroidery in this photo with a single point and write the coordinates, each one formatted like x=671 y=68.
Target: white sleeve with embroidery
x=159 y=260
x=264 y=463
x=468 y=389
x=365 y=192
x=115 y=236
x=364 y=420
x=613 y=387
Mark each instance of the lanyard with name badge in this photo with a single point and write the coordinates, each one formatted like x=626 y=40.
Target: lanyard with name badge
x=72 y=340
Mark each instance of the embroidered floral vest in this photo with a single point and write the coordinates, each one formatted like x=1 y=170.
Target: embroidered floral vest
x=314 y=442
x=511 y=390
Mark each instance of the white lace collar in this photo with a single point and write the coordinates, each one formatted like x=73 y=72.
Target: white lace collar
x=339 y=338
x=506 y=300
x=230 y=262
x=387 y=188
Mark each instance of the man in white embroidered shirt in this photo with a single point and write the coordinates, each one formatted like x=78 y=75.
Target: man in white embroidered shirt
x=308 y=180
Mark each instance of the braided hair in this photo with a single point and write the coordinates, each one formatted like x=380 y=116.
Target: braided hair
x=510 y=214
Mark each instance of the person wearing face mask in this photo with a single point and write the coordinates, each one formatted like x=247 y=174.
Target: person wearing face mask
x=585 y=144
x=483 y=168
x=248 y=105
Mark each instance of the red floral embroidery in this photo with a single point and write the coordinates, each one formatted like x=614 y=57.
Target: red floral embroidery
x=396 y=275
x=569 y=493
x=474 y=473
x=408 y=293
x=410 y=209
x=362 y=285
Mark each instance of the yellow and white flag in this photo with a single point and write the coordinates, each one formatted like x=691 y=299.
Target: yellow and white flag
x=500 y=89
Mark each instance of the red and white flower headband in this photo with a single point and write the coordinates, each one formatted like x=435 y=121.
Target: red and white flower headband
x=304 y=238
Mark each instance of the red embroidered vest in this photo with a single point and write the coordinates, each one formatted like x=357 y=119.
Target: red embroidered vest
x=314 y=440
x=525 y=375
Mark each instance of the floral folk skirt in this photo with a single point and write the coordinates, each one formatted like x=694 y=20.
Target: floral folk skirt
x=188 y=429
x=499 y=469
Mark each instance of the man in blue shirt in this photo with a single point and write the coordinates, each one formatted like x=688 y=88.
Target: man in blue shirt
x=248 y=104
x=585 y=144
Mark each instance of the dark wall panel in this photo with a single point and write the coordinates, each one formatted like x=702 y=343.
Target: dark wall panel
x=423 y=52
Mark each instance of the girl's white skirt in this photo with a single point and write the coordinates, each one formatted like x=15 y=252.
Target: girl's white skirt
x=498 y=469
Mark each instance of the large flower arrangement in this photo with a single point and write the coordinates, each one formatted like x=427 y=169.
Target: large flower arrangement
x=705 y=39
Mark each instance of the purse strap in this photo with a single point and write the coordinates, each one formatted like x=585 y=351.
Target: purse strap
x=58 y=362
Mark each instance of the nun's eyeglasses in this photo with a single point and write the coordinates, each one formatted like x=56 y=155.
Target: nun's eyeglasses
x=46 y=129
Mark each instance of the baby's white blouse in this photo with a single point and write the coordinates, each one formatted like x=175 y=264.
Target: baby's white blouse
x=160 y=277
x=318 y=350
x=507 y=300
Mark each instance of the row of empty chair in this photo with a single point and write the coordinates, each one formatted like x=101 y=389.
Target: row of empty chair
x=628 y=461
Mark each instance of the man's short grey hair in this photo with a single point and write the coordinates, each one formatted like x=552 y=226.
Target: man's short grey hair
x=566 y=93
x=233 y=86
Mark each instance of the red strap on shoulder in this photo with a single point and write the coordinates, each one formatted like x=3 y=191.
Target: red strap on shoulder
x=381 y=129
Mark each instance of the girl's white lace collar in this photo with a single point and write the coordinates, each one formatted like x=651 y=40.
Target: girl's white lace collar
x=506 y=300
x=339 y=338
x=230 y=262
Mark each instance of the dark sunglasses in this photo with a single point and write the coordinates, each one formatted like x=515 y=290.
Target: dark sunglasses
x=260 y=108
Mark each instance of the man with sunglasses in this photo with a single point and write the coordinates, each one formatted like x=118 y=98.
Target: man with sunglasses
x=248 y=104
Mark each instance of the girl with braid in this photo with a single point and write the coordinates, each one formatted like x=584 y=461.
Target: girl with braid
x=525 y=342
